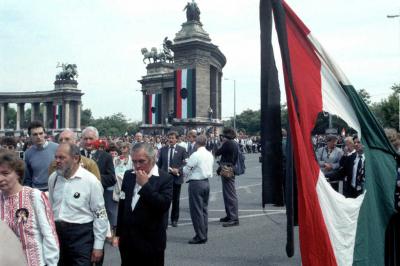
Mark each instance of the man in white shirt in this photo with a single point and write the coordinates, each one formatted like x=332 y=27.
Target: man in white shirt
x=76 y=196
x=199 y=169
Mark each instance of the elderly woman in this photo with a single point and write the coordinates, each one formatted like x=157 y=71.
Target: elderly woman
x=27 y=212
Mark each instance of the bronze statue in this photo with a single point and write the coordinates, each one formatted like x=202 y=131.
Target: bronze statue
x=68 y=72
x=149 y=55
x=167 y=51
x=154 y=55
x=192 y=11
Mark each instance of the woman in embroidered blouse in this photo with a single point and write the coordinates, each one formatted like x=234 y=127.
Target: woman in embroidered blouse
x=27 y=212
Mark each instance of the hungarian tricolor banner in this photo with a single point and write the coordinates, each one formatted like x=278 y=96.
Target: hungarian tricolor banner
x=185 y=93
x=333 y=230
x=153 y=109
x=57 y=116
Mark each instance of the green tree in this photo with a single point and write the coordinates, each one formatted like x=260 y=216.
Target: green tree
x=249 y=121
x=387 y=110
x=365 y=96
x=114 y=125
x=86 y=118
x=11 y=118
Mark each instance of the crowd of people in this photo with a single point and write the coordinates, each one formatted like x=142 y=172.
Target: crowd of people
x=345 y=164
x=64 y=197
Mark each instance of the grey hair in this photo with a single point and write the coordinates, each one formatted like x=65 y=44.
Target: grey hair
x=349 y=139
x=73 y=149
x=148 y=148
x=201 y=140
x=71 y=131
x=90 y=128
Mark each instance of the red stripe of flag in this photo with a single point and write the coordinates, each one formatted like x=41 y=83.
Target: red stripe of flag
x=178 y=93
x=305 y=69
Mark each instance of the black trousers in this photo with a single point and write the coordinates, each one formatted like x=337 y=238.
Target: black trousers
x=76 y=244
x=132 y=257
x=176 y=194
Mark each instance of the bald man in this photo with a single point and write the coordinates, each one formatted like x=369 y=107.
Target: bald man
x=68 y=136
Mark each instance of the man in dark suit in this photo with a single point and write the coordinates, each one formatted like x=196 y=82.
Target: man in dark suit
x=143 y=210
x=89 y=141
x=352 y=168
x=191 y=142
x=172 y=159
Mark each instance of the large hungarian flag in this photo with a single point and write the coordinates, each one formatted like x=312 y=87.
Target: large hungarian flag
x=153 y=109
x=333 y=230
x=185 y=93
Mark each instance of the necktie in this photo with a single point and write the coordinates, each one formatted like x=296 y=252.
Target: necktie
x=190 y=148
x=171 y=153
x=359 y=165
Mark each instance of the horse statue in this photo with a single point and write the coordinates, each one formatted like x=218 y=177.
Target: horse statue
x=68 y=72
x=192 y=11
x=149 y=55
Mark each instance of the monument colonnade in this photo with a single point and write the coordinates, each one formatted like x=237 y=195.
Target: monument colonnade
x=60 y=109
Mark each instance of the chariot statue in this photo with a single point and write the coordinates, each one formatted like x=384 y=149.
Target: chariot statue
x=68 y=72
x=154 y=55
x=192 y=11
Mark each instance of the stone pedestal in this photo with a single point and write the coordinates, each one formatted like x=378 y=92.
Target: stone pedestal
x=65 y=85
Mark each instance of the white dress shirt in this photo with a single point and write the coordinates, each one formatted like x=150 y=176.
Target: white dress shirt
x=199 y=165
x=136 y=196
x=79 y=199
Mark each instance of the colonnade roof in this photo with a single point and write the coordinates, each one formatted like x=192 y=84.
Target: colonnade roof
x=41 y=96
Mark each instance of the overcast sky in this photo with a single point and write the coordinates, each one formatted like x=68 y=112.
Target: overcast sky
x=104 y=38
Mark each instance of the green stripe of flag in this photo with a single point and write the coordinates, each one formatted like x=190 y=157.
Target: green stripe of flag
x=380 y=182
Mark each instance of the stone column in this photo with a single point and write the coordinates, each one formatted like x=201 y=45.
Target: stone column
x=45 y=115
x=20 y=115
x=2 y=116
x=66 y=114
x=78 y=116
x=35 y=111
x=32 y=112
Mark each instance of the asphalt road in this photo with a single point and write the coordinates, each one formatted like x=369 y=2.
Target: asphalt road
x=260 y=238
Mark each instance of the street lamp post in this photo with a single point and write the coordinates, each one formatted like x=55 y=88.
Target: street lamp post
x=396 y=16
x=234 y=102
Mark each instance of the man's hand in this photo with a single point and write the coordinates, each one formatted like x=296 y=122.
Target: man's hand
x=97 y=254
x=174 y=171
x=328 y=166
x=141 y=177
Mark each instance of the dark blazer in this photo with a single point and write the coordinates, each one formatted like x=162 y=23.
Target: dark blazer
x=106 y=166
x=143 y=230
x=346 y=172
x=178 y=161
x=228 y=152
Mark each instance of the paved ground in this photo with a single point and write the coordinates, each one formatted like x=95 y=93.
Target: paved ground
x=259 y=240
